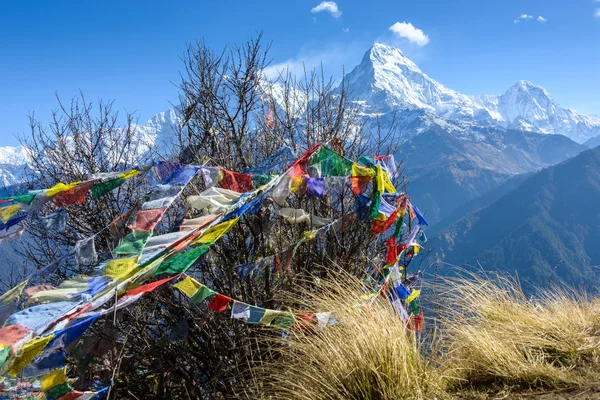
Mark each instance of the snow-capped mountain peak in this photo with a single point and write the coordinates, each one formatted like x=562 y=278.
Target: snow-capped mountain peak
x=386 y=80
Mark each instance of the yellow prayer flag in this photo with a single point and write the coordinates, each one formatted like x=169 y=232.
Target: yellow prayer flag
x=269 y=316
x=380 y=179
x=415 y=293
x=54 y=378
x=216 y=232
x=9 y=211
x=307 y=236
x=189 y=286
x=387 y=183
x=130 y=173
x=359 y=170
x=30 y=351
x=297 y=182
x=13 y=293
x=60 y=187
x=416 y=249
x=120 y=268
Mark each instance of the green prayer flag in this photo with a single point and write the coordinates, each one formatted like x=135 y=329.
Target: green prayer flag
x=415 y=307
x=180 y=262
x=260 y=179
x=332 y=164
x=285 y=320
x=58 y=391
x=133 y=243
x=398 y=230
x=202 y=294
x=366 y=161
x=26 y=198
x=100 y=189
x=375 y=203
x=4 y=355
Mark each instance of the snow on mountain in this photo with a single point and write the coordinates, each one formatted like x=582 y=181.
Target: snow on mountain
x=388 y=81
x=156 y=136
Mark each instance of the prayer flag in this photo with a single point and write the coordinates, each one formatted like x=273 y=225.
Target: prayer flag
x=13 y=293
x=235 y=181
x=216 y=232
x=7 y=212
x=202 y=294
x=256 y=314
x=315 y=187
x=146 y=220
x=120 y=268
x=75 y=195
x=54 y=378
x=240 y=310
x=133 y=243
x=181 y=262
x=219 y=303
x=269 y=316
x=28 y=353
x=60 y=187
x=188 y=286
x=101 y=188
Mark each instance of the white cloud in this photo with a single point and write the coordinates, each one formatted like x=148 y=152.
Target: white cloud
x=541 y=19
x=523 y=17
x=328 y=6
x=597 y=13
x=408 y=31
x=348 y=29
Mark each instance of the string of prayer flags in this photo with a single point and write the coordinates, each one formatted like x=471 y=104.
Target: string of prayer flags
x=235 y=181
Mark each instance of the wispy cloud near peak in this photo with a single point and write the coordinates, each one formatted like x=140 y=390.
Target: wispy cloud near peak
x=328 y=6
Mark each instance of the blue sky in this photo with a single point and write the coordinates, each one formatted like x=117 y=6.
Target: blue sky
x=130 y=51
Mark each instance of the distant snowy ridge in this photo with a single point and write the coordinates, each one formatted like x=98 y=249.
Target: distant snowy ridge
x=387 y=81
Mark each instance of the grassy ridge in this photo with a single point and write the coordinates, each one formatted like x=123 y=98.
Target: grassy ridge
x=489 y=338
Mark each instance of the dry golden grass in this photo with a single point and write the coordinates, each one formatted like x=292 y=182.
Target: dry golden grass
x=367 y=355
x=491 y=339
x=496 y=337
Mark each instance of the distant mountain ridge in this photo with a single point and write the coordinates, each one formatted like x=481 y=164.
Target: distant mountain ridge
x=386 y=80
x=547 y=228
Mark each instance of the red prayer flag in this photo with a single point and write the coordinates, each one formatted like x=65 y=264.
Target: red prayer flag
x=11 y=334
x=219 y=303
x=298 y=167
x=381 y=226
x=415 y=322
x=75 y=394
x=149 y=287
x=235 y=181
x=303 y=322
x=75 y=195
x=360 y=184
x=270 y=120
x=146 y=220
